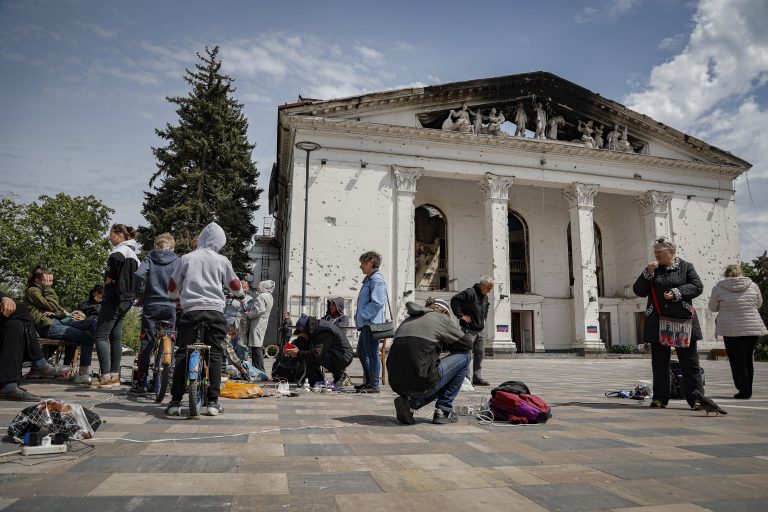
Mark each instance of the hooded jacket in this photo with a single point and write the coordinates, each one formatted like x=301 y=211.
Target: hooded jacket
x=736 y=300
x=203 y=274
x=120 y=279
x=40 y=300
x=259 y=312
x=341 y=320
x=326 y=340
x=415 y=353
x=153 y=276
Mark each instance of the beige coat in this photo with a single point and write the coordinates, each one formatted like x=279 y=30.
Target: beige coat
x=736 y=301
x=258 y=314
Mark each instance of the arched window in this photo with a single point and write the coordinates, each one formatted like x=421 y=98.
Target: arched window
x=431 y=249
x=519 y=262
x=598 y=260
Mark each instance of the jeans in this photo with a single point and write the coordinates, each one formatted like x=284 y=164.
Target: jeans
x=109 y=335
x=77 y=332
x=215 y=337
x=370 y=357
x=478 y=352
x=452 y=370
x=151 y=315
x=689 y=365
x=741 y=354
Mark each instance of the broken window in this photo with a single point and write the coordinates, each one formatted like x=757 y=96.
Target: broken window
x=431 y=249
x=519 y=281
x=598 y=249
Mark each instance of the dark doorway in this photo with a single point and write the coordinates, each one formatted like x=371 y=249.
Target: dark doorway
x=431 y=249
x=519 y=263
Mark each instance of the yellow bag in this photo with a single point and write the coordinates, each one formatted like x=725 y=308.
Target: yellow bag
x=234 y=389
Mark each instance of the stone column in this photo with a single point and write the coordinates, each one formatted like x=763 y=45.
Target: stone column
x=403 y=258
x=496 y=190
x=654 y=206
x=580 y=197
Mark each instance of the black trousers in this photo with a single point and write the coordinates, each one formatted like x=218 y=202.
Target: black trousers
x=12 y=349
x=257 y=358
x=741 y=354
x=689 y=365
x=215 y=337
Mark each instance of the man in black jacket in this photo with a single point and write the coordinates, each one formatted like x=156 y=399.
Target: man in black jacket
x=416 y=372
x=328 y=347
x=471 y=308
x=18 y=342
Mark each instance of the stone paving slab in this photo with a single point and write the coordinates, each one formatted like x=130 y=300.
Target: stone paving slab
x=346 y=452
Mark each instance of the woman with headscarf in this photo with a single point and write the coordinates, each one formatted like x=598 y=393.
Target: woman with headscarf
x=737 y=300
x=671 y=284
x=258 y=314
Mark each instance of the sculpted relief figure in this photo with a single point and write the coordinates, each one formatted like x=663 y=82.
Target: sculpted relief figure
x=521 y=118
x=479 y=119
x=494 y=122
x=541 y=122
x=462 y=123
x=586 y=130
x=613 y=138
x=554 y=122
x=598 y=137
x=623 y=143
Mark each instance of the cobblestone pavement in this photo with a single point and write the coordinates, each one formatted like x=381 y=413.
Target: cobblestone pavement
x=345 y=452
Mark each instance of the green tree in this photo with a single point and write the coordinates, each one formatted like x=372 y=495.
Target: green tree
x=205 y=171
x=62 y=233
x=757 y=270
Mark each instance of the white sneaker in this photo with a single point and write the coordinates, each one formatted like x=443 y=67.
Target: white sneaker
x=214 y=409
x=83 y=379
x=173 y=409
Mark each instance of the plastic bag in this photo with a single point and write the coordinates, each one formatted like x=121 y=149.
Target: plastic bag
x=57 y=417
x=232 y=389
x=467 y=385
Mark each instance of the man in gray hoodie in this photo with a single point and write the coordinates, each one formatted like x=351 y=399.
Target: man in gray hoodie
x=416 y=372
x=152 y=278
x=199 y=283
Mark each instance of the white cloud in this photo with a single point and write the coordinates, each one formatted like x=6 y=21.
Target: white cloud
x=255 y=97
x=672 y=43
x=402 y=46
x=608 y=12
x=711 y=90
x=369 y=53
x=98 y=30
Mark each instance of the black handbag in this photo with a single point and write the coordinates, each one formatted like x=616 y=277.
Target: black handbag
x=383 y=330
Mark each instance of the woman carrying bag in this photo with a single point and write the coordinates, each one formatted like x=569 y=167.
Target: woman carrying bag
x=671 y=284
x=371 y=304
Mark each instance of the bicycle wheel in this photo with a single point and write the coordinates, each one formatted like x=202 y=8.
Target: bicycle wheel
x=197 y=394
x=162 y=373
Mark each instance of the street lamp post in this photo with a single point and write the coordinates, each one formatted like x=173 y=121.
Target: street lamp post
x=308 y=147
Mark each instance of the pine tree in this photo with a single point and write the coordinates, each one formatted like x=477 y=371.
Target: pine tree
x=205 y=171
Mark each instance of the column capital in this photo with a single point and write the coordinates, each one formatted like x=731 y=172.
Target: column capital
x=406 y=177
x=496 y=187
x=581 y=195
x=654 y=201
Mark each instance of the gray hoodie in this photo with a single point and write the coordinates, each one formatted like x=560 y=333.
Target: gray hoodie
x=203 y=274
x=737 y=300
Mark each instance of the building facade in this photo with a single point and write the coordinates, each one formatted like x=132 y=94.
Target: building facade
x=553 y=190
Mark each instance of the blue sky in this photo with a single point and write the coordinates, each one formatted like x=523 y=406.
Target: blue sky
x=84 y=82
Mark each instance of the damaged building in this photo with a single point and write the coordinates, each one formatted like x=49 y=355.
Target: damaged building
x=550 y=188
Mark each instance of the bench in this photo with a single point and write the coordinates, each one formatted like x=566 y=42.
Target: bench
x=58 y=354
x=717 y=353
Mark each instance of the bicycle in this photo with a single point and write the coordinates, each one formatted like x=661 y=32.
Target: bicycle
x=197 y=378
x=160 y=371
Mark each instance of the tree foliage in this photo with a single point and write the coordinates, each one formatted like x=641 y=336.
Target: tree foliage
x=757 y=270
x=63 y=233
x=205 y=172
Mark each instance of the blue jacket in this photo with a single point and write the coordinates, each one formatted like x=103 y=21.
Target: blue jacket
x=153 y=275
x=372 y=301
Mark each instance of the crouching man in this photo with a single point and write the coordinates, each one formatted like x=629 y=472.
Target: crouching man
x=417 y=373
x=328 y=347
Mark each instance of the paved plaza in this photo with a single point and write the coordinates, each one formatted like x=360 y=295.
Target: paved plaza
x=345 y=452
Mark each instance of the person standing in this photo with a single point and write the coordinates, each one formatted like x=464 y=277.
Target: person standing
x=285 y=329
x=152 y=278
x=471 y=308
x=119 y=292
x=737 y=300
x=676 y=284
x=371 y=303
x=258 y=314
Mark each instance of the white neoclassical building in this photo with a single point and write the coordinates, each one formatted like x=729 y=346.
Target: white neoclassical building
x=555 y=191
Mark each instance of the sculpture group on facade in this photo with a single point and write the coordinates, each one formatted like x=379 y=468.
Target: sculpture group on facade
x=465 y=120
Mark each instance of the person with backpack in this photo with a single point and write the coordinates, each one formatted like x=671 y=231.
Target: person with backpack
x=471 y=308
x=737 y=300
x=417 y=373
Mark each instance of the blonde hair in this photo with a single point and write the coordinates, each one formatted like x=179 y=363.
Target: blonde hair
x=733 y=271
x=165 y=241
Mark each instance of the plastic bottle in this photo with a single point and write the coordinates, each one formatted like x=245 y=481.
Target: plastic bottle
x=305 y=386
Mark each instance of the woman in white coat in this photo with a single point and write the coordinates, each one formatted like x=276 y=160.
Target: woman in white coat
x=737 y=300
x=258 y=314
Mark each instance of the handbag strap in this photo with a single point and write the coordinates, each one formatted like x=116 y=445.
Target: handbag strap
x=389 y=306
x=656 y=302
